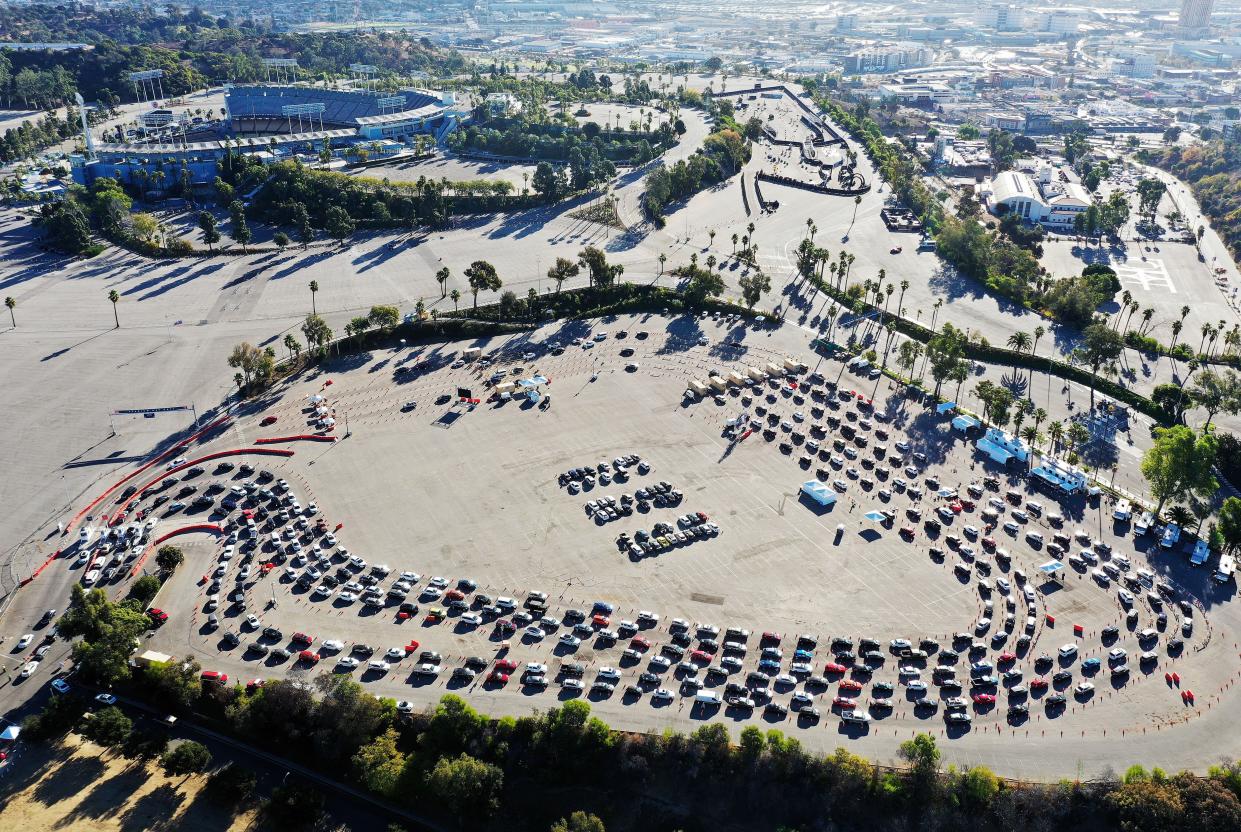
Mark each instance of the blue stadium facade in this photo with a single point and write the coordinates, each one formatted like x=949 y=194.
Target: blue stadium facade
x=281 y=122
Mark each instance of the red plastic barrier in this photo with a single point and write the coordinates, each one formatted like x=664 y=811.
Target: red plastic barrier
x=170 y=452
x=190 y=463
x=301 y=437
x=42 y=566
x=196 y=527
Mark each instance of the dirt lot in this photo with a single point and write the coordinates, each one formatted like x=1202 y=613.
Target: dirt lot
x=77 y=787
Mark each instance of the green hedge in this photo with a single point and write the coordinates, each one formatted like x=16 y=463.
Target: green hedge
x=1001 y=355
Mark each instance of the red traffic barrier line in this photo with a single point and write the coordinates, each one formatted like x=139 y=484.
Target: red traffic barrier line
x=194 y=527
x=42 y=566
x=217 y=455
x=170 y=452
x=301 y=437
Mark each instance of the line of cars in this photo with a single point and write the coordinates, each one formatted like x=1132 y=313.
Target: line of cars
x=690 y=527
x=584 y=478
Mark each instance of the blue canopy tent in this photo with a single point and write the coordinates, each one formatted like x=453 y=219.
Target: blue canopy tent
x=877 y=516
x=946 y=407
x=819 y=492
x=1052 y=571
x=965 y=423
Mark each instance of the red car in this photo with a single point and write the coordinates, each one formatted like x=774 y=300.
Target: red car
x=497 y=678
x=302 y=638
x=844 y=702
x=255 y=684
x=968 y=505
x=1038 y=684
x=956 y=507
x=832 y=667
x=701 y=656
x=639 y=643
x=454 y=595
x=506 y=665
x=157 y=615
x=268 y=420
x=308 y=656
x=601 y=621
x=703 y=517
x=988 y=543
x=1008 y=657
x=506 y=626
x=907 y=532
x=771 y=638
x=850 y=684
x=984 y=699
x=214 y=677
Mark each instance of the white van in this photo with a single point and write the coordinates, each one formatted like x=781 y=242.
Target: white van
x=1144 y=524
x=707 y=697
x=1124 y=510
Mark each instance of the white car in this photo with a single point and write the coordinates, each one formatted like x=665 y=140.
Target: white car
x=661 y=694
x=378 y=666
x=428 y=670
x=534 y=632
x=24 y=641
x=609 y=673
x=347 y=662
x=535 y=667
x=410 y=577
x=29 y=669
x=438 y=582
x=356 y=562
x=660 y=662
x=333 y=645
x=253 y=621
x=395 y=653
x=570 y=640
x=404 y=707
x=472 y=619
x=1068 y=651
x=105 y=699
x=572 y=684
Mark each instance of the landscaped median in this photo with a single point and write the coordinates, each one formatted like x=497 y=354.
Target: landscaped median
x=991 y=354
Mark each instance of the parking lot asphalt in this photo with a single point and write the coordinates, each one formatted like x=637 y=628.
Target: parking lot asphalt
x=509 y=525
x=479 y=499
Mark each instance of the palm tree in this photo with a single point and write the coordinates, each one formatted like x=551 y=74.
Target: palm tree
x=1147 y=314
x=1031 y=435
x=455 y=296
x=115 y=297
x=1125 y=297
x=1019 y=341
x=314 y=287
x=11 y=304
x=711 y=237
x=750 y=228
x=663 y=258
x=442 y=276
x=1176 y=333
x=735 y=239
x=1180 y=515
x=1055 y=432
